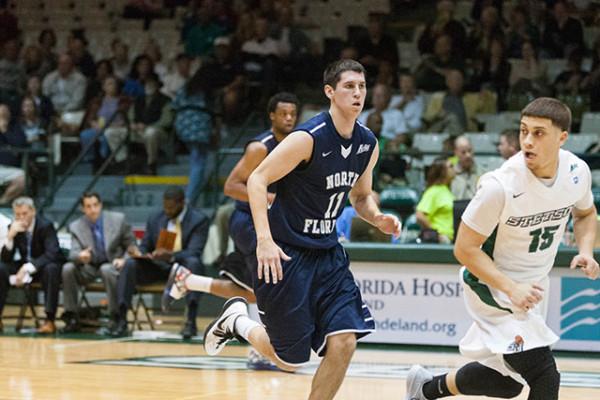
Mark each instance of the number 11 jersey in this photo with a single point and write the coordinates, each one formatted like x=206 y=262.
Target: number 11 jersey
x=311 y=197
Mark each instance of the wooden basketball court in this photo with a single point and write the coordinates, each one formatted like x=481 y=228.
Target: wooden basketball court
x=56 y=368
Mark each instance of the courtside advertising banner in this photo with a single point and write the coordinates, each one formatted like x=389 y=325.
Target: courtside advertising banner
x=423 y=304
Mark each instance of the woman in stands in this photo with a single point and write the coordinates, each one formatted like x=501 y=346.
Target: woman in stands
x=434 y=211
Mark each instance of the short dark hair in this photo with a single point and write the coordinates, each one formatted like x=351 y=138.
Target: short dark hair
x=87 y=195
x=174 y=193
x=553 y=109
x=512 y=137
x=334 y=71
x=282 y=97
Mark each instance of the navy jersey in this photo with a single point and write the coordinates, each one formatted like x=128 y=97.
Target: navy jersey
x=268 y=139
x=312 y=196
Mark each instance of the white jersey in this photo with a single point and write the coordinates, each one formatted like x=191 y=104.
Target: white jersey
x=524 y=220
x=534 y=216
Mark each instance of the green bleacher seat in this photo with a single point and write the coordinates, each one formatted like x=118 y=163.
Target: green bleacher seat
x=401 y=199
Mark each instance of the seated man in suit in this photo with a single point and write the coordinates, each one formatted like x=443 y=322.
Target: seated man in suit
x=191 y=229
x=34 y=238
x=100 y=242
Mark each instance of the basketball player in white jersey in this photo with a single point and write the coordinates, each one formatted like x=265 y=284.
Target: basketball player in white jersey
x=507 y=242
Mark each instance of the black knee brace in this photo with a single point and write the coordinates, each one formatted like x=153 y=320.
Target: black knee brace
x=538 y=368
x=477 y=379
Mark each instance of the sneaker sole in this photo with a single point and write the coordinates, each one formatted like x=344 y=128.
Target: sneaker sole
x=210 y=326
x=167 y=300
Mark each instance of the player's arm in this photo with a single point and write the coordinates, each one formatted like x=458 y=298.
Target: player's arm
x=363 y=200
x=584 y=227
x=236 y=183
x=296 y=147
x=478 y=222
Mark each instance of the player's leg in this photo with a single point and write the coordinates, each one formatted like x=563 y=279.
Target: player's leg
x=538 y=368
x=234 y=322
x=331 y=372
x=473 y=379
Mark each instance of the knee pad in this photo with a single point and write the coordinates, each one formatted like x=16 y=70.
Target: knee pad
x=477 y=379
x=538 y=368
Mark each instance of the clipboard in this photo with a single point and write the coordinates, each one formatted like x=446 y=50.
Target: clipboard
x=166 y=240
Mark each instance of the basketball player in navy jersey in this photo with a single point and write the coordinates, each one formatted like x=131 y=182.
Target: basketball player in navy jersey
x=306 y=294
x=237 y=268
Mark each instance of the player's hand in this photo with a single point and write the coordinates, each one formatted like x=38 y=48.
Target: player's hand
x=389 y=224
x=526 y=295
x=269 y=257
x=588 y=265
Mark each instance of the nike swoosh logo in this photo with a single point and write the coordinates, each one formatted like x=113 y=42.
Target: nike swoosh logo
x=326 y=154
x=518 y=195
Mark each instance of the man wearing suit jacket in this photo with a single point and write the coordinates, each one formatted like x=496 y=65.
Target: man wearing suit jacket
x=100 y=242
x=35 y=240
x=191 y=229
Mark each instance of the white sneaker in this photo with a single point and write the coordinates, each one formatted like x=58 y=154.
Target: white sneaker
x=175 y=288
x=222 y=329
x=417 y=377
x=258 y=362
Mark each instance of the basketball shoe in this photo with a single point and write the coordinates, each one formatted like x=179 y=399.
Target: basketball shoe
x=175 y=288
x=417 y=377
x=222 y=329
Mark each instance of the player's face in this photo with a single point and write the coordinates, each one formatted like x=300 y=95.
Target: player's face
x=350 y=92
x=284 y=118
x=540 y=142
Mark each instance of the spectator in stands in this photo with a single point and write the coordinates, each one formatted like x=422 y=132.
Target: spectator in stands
x=199 y=38
x=562 y=33
x=487 y=28
x=12 y=74
x=104 y=69
x=509 y=144
x=33 y=61
x=454 y=110
x=150 y=119
x=229 y=79
x=141 y=69
x=47 y=42
x=40 y=259
x=529 y=75
x=409 y=102
x=101 y=241
x=42 y=102
x=244 y=30
x=434 y=211
x=191 y=229
x=10 y=174
x=296 y=48
x=9 y=25
x=592 y=81
x=492 y=71
x=520 y=29
x=195 y=125
x=571 y=81
x=179 y=77
x=153 y=51
x=444 y=24
x=110 y=119
x=394 y=124
x=480 y=5
x=120 y=59
x=82 y=59
x=261 y=44
x=377 y=47
x=32 y=124
x=467 y=173
x=431 y=73
x=65 y=86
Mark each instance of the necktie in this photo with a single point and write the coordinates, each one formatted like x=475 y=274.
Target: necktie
x=177 y=244
x=99 y=244
x=28 y=236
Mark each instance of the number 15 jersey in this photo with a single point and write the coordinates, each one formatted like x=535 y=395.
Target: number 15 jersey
x=530 y=217
x=311 y=197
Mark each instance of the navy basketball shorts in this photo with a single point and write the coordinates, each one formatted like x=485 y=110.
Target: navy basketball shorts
x=317 y=298
x=239 y=265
